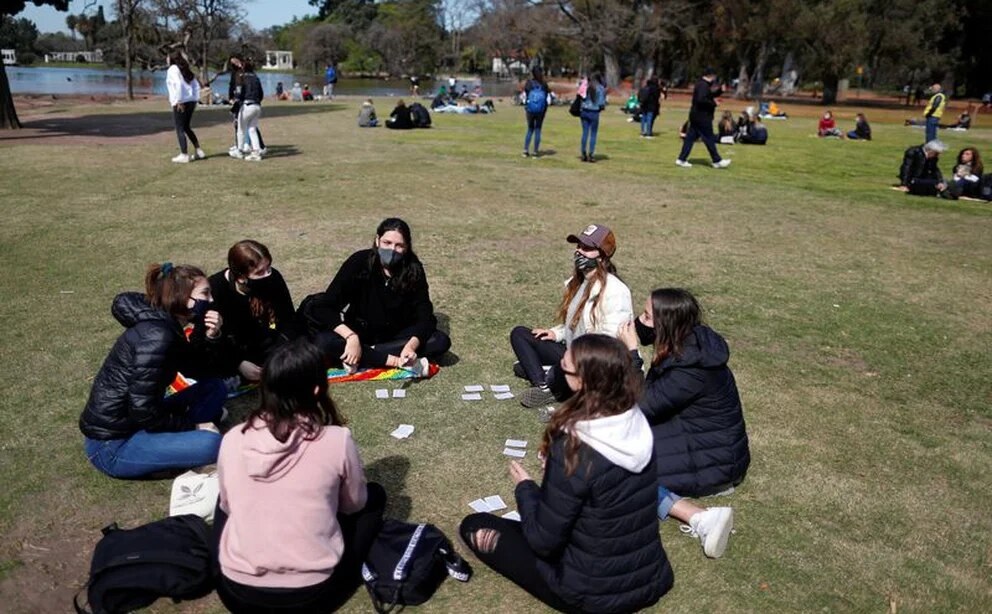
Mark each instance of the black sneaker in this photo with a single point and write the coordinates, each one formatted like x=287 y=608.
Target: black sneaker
x=585 y=158
x=536 y=396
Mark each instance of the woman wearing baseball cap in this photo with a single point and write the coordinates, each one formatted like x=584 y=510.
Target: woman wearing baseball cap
x=595 y=301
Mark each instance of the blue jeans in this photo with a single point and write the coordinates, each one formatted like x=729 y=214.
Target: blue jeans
x=931 y=129
x=534 y=123
x=590 y=128
x=666 y=499
x=143 y=453
x=704 y=132
x=647 y=123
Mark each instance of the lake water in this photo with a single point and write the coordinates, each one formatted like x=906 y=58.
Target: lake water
x=110 y=82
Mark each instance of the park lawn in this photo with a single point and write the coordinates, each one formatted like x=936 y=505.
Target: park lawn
x=859 y=320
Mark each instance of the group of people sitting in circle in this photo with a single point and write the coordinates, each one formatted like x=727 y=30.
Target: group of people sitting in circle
x=620 y=446
x=409 y=117
x=920 y=174
x=827 y=128
x=747 y=130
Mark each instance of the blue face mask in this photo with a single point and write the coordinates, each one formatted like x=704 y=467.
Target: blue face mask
x=389 y=257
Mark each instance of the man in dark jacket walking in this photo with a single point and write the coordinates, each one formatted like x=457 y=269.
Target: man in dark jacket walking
x=919 y=174
x=649 y=99
x=701 y=120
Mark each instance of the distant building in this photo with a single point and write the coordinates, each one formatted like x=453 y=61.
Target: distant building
x=505 y=69
x=278 y=60
x=91 y=57
x=9 y=57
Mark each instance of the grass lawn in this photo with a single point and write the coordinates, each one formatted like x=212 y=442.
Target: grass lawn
x=859 y=319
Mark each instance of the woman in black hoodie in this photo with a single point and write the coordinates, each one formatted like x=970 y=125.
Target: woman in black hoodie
x=691 y=400
x=570 y=548
x=132 y=429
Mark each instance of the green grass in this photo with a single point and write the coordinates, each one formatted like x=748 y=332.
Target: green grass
x=859 y=318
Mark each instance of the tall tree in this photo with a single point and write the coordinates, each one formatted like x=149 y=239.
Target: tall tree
x=9 y=8
x=126 y=12
x=206 y=22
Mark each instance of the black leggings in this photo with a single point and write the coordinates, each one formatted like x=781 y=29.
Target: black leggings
x=375 y=355
x=182 y=118
x=359 y=529
x=534 y=354
x=923 y=187
x=512 y=558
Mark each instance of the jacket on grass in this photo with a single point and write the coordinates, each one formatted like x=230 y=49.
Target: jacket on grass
x=695 y=412
x=596 y=532
x=127 y=392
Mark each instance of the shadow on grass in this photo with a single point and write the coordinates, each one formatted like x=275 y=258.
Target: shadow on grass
x=391 y=472
x=123 y=125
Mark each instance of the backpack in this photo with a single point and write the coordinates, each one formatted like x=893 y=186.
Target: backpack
x=575 y=109
x=407 y=563
x=537 y=99
x=132 y=568
x=985 y=187
x=420 y=115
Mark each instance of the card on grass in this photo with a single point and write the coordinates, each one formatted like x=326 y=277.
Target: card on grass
x=514 y=515
x=499 y=388
x=495 y=502
x=381 y=393
x=399 y=393
x=475 y=396
x=474 y=388
x=514 y=452
x=403 y=431
x=502 y=396
x=480 y=505
x=515 y=443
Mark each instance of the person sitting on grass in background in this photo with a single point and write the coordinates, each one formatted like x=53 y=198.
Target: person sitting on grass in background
x=377 y=311
x=963 y=122
x=726 y=128
x=691 y=401
x=291 y=476
x=400 y=118
x=966 y=180
x=919 y=174
x=131 y=428
x=595 y=301
x=256 y=305
x=296 y=94
x=307 y=94
x=862 y=130
x=587 y=539
x=828 y=127
x=366 y=115
x=756 y=133
x=281 y=92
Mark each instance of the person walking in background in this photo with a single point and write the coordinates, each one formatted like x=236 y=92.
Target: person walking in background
x=184 y=91
x=704 y=97
x=649 y=99
x=330 y=78
x=593 y=103
x=536 y=106
x=934 y=111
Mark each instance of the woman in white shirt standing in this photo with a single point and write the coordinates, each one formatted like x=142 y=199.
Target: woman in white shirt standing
x=184 y=91
x=595 y=301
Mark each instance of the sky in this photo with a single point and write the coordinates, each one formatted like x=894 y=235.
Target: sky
x=261 y=13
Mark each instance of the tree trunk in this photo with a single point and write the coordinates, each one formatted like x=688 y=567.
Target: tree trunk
x=127 y=14
x=742 y=82
x=8 y=114
x=830 y=85
x=758 y=82
x=612 y=67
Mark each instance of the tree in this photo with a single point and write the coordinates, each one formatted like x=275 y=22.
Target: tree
x=9 y=8
x=18 y=34
x=325 y=44
x=126 y=13
x=204 y=24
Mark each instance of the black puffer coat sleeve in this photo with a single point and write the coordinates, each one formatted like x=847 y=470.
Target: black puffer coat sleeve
x=548 y=512
x=145 y=388
x=666 y=396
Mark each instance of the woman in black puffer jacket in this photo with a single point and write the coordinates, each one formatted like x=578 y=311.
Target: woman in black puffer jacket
x=587 y=540
x=132 y=429
x=691 y=400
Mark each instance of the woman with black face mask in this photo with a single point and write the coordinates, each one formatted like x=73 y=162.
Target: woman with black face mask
x=595 y=301
x=691 y=400
x=255 y=302
x=377 y=311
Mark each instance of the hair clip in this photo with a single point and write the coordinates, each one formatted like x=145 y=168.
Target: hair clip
x=166 y=268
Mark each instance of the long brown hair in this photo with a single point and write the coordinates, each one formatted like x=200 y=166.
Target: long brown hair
x=287 y=400
x=976 y=160
x=675 y=312
x=243 y=258
x=168 y=287
x=604 y=266
x=610 y=386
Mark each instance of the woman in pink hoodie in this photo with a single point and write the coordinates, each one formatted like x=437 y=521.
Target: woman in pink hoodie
x=296 y=517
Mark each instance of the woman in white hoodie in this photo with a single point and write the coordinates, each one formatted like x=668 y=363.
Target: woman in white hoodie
x=184 y=91
x=595 y=301
x=587 y=540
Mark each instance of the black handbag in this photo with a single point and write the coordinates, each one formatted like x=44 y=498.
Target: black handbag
x=576 y=109
x=407 y=563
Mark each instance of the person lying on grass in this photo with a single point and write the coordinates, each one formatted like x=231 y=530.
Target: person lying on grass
x=595 y=301
x=388 y=318
x=131 y=428
x=691 y=400
x=587 y=539
x=295 y=518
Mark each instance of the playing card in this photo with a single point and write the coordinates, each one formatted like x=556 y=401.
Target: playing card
x=495 y=502
x=514 y=515
x=399 y=393
x=515 y=443
x=474 y=388
x=475 y=396
x=499 y=388
x=479 y=505
x=514 y=452
x=381 y=393
x=502 y=396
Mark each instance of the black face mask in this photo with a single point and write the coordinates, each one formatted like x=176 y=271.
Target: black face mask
x=585 y=263
x=645 y=333
x=259 y=287
x=389 y=257
x=199 y=309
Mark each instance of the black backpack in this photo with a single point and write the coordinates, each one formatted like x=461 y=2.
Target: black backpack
x=134 y=567
x=985 y=187
x=421 y=116
x=407 y=563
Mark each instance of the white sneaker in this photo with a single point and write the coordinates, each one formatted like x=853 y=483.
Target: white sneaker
x=264 y=151
x=722 y=163
x=200 y=154
x=234 y=152
x=682 y=163
x=181 y=159
x=254 y=156
x=713 y=528
x=420 y=368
